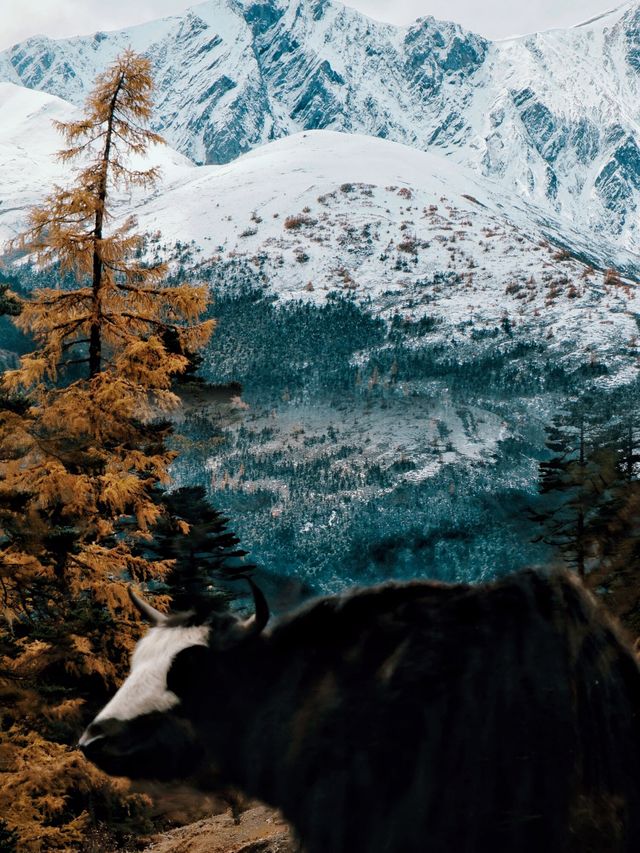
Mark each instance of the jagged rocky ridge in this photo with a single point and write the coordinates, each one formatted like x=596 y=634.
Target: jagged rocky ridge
x=552 y=116
x=233 y=75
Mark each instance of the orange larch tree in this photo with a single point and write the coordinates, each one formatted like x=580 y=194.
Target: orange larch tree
x=83 y=446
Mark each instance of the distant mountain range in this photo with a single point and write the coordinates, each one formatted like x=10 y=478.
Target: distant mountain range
x=553 y=117
x=320 y=211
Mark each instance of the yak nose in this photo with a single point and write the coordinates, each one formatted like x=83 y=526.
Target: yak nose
x=91 y=734
x=97 y=731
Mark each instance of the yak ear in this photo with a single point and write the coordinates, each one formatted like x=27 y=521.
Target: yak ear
x=150 y=613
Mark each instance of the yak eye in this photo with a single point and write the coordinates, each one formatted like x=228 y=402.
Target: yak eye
x=187 y=670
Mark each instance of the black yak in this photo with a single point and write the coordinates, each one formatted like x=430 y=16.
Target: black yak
x=403 y=718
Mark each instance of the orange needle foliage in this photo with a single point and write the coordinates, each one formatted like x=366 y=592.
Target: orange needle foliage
x=83 y=449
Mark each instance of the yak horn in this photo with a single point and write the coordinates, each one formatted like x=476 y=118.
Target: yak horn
x=150 y=613
x=256 y=623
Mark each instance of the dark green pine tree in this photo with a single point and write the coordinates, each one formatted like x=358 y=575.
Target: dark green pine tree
x=13 y=342
x=589 y=505
x=574 y=485
x=625 y=430
x=8 y=303
x=172 y=344
x=205 y=551
x=616 y=577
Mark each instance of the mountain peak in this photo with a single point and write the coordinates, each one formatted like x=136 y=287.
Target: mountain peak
x=233 y=74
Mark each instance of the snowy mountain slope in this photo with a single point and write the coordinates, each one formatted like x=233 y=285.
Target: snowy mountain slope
x=28 y=146
x=560 y=120
x=27 y=142
x=408 y=232
x=552 y=116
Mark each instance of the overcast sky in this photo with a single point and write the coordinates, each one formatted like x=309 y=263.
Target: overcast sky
x=494 y=18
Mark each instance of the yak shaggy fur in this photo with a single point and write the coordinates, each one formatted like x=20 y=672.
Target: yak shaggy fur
x=426 y=718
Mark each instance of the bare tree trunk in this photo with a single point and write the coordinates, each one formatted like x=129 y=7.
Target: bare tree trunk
x=95 y=334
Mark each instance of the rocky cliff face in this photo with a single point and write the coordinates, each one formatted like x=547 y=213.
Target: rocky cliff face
x=556 y=120
x=232 y=75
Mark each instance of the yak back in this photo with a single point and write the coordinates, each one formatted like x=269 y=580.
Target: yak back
x=427 y=717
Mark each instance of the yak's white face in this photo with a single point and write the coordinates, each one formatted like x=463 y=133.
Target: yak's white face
x=145 y=689
x=141 y=732
x=150 y=728
x=129 y=727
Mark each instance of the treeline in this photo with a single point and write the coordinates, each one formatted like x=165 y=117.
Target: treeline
x=341 y=345
x=342 y=361
x=346 y=362
x=86 y=504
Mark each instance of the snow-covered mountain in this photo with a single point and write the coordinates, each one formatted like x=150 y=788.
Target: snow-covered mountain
x=402 y=329
x=552 y=116
x=403 y=322
x=232 y=75
x=320 y=211
x=29 y=143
